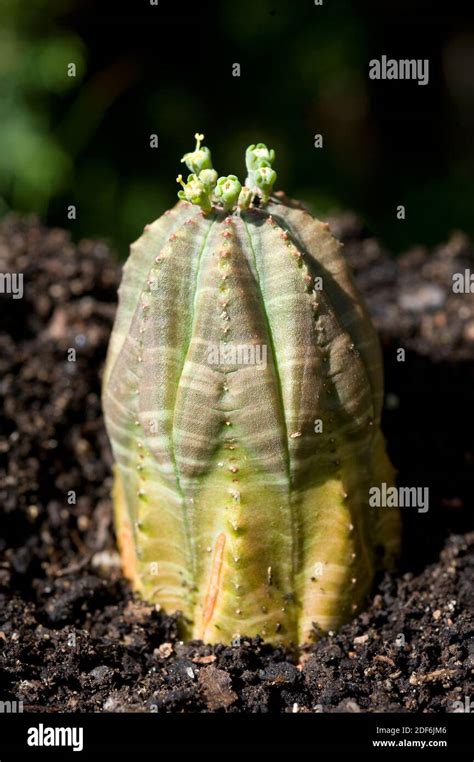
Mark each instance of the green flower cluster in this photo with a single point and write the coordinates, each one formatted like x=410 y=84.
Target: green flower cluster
x=204 y=188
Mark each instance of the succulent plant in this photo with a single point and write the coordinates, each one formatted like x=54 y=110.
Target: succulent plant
x=242 y=397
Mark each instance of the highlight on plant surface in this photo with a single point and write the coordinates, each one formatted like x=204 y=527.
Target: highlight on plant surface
x=240 y=486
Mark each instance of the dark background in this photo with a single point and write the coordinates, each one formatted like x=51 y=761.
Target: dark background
x=168 y=70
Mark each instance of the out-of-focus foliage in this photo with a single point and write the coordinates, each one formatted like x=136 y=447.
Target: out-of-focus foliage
x=85 y=140
x=34 y=58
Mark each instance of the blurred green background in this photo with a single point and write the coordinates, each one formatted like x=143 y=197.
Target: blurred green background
x=167 y=69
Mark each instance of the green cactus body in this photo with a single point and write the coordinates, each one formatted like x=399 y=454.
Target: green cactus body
x=242 y=397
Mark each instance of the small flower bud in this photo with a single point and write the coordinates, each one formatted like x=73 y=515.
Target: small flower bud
x=208 y=177
x=261 y=176
x=245 y=198
x=198 y=159
x=255 y=154
x=264 y=178
x=228 y=190
x=195 y=192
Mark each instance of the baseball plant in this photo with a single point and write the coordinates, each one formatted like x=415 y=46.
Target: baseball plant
x=242 y=397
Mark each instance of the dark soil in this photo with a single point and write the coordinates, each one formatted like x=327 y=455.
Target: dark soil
x=73 y=637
